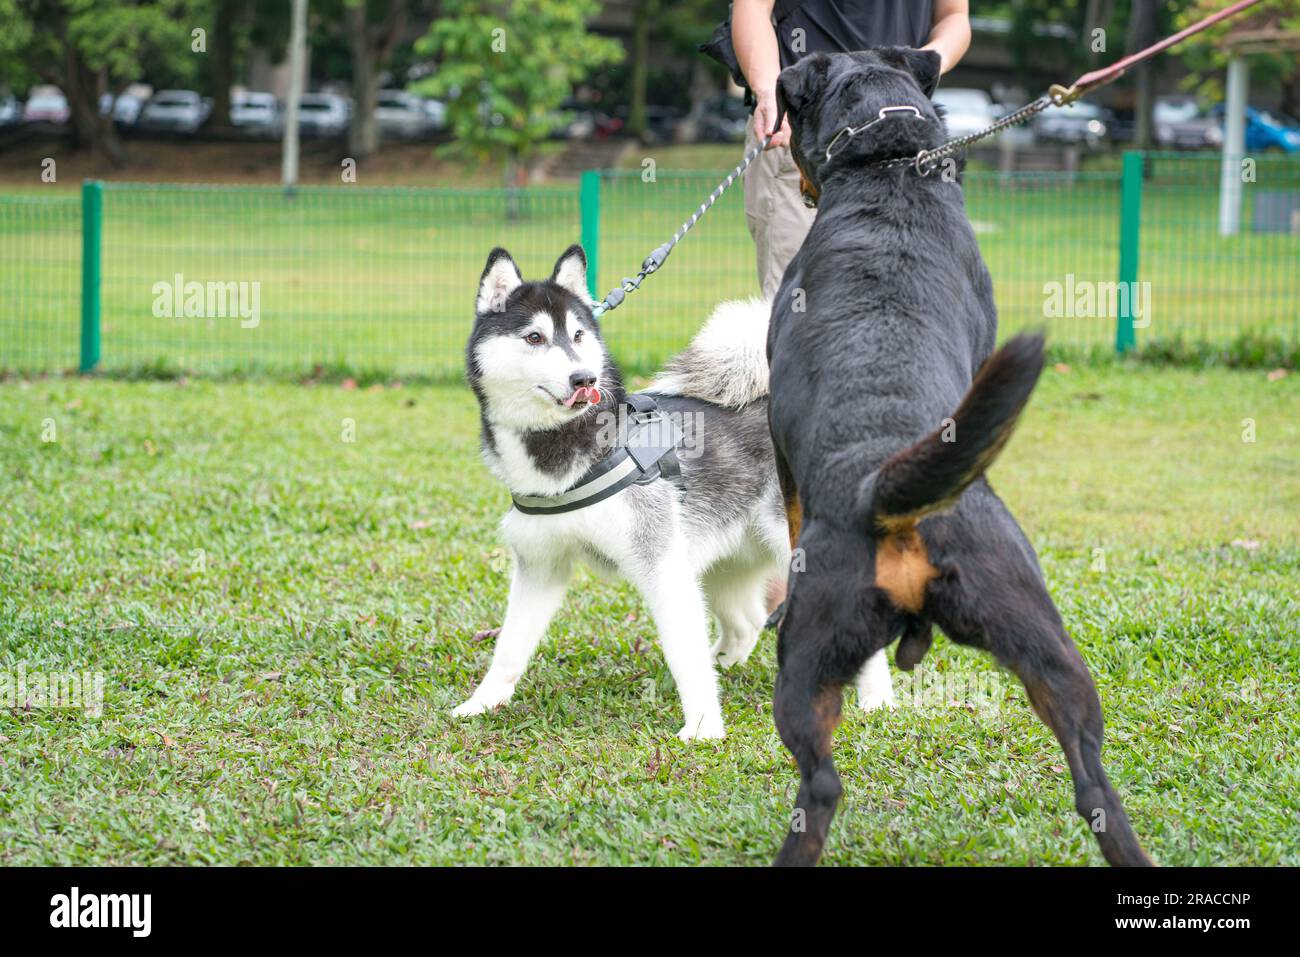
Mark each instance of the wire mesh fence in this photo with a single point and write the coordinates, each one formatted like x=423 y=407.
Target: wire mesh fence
x=40 y=281
x=1031 y=229
x=371 y=281
x=1207 y=286
x=380 y=282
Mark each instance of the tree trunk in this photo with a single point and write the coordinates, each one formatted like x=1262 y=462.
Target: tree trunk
x=223 y=53
x=1142 y=33
x=645 y=13
x=1142 y=107
x=363 y=135
x=90 y=131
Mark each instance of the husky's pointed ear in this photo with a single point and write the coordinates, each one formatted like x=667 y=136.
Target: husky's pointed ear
x=500 y=278
x=800 y=84
x=924 y=65
x=571 y=272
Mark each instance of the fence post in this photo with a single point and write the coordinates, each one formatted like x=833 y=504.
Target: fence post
x=589 y=200
x=1130 y=238
x=92 y=225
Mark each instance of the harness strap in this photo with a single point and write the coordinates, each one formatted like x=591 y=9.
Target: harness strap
x=647 y=453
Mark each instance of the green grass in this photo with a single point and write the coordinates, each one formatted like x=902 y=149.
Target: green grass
x=283 y=620
x=382 y=280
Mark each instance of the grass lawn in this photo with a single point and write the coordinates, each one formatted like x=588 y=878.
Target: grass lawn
x=284 y=618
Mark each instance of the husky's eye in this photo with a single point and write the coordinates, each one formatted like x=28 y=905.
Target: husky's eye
x=577 y=336
x=534 y=338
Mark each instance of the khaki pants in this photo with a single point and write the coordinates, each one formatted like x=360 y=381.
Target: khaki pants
x=778 y=219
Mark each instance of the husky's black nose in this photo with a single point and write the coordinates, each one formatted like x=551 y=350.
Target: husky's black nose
x=582 y=379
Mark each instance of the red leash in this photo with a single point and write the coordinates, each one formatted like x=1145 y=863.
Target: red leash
x=1090 y=81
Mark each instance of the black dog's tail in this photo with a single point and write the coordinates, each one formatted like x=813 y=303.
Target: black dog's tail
x=930 y=475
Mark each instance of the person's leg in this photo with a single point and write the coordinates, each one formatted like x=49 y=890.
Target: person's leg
x=778 y=220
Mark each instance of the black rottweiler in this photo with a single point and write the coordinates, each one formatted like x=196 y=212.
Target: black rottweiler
x=887 y=405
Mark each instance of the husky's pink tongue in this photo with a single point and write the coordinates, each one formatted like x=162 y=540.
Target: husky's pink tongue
x=590 y=394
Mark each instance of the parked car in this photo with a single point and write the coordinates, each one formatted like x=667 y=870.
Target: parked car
x=723 y=120
x=1178 y=123
x=1080 y=122
x=174 y=111
x=965 y=111
x=124 y=108
x=436 y=113
x=323 y=114
x=1266 y=130
x=257 y=114
x=46 y=104
x=400 y=115
x=576 y=120
x=660 y=123
x=11 y=110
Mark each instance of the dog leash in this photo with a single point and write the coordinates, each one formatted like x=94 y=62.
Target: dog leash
x=926 y=161
x=660 y=253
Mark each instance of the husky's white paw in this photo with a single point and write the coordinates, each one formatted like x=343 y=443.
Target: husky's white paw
x=734 y=648
x=482 y=701
x=875 y=688
x=873 y=698
x=702 y=728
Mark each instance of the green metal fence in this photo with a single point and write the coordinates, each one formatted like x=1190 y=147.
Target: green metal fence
x=221 y=280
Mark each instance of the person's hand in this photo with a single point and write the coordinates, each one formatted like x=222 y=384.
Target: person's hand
x=765 y=119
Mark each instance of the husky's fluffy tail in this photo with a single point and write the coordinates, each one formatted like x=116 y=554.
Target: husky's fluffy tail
x=726 y=362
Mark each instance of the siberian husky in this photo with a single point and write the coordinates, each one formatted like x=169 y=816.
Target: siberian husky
x=548 y=394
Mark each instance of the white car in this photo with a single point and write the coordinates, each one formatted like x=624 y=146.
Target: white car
x=174 y=111
x=322 y=114
x=400 y=115
x=965 y=111
x=258 y=114
x=46 y=105
x=11 y=111
x=436 y=112
x=124 y=108
x=1080 y=122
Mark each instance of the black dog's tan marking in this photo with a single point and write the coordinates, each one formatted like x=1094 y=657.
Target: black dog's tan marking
x=903 y=569
x=888 y=403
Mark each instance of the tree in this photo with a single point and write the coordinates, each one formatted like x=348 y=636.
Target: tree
x=647 y=11
x=505 y=66
x=226 y=15
x=89 y=47
x=373 y=28
x=1206 y=55
x=1144 y=30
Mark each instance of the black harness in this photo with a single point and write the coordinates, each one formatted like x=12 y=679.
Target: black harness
x=646 y=452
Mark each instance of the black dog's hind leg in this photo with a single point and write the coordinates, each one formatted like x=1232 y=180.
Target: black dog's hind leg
x=807 y=709
x=1015 y=619
x=830 y=628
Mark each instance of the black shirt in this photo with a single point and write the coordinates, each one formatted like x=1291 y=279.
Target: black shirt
x=842 y=26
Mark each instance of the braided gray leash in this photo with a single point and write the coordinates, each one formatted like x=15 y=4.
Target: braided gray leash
x=657 y=257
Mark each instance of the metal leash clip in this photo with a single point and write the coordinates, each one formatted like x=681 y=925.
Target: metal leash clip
x=883 y=115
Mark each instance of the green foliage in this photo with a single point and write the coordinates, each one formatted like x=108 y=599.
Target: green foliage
x=126 y=39
x=1246 y=351
x=1206 y=55
x=505 y=68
